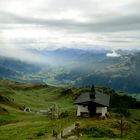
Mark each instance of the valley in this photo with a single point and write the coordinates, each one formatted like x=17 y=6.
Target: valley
x=75 y=67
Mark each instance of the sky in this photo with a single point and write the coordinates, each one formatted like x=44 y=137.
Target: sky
x=51 y=24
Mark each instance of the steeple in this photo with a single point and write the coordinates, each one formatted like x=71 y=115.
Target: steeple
x=93 y=88
x=92 y=94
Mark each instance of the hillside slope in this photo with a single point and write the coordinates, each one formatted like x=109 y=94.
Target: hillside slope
x=118 y=76
x=37 y=97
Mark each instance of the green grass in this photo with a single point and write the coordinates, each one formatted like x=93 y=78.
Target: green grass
x=135 y=114
x=106 y=129
x=24 y=125
x=40 y=98
x=20 y=125
x=32 y=126
x=87 y=138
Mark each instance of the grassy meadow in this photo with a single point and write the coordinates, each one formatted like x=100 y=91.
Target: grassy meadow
x=15 y=124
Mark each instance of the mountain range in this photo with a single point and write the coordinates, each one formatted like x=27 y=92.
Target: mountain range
x=77 y=67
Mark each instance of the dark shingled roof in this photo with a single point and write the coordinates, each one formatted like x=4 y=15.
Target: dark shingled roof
x=100 y=98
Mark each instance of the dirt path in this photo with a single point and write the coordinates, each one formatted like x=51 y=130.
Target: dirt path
x=65 y=132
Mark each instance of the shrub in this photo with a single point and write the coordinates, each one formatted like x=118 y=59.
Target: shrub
x=123 y=111
x=64 y=114
x=97 y=132
x=40 y=134
x=136 y=137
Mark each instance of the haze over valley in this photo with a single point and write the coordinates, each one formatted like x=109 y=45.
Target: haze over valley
x=77 y=67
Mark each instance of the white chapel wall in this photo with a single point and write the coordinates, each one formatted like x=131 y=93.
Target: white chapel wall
x=102 y=110
x=82 y=109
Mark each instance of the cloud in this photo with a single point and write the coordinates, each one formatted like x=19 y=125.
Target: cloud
x=14 y=52
x=113 y=54
x=114 y=24
x=81 y=24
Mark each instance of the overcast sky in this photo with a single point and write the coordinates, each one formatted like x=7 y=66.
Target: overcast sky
x=69 y=23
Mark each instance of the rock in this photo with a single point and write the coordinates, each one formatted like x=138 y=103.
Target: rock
x=72 y=138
